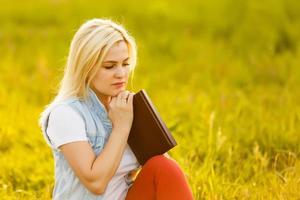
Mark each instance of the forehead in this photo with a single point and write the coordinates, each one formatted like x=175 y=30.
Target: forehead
x=118 y=52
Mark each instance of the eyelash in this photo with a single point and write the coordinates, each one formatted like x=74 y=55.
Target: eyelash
x=110 y=67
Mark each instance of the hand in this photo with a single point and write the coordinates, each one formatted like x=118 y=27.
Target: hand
x=120 y=111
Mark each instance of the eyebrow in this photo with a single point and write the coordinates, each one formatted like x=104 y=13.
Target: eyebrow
x=113 y=61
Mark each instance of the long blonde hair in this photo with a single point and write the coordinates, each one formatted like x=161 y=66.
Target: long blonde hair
x=89 y=46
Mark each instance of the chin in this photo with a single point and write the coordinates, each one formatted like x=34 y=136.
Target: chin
x=115 y=93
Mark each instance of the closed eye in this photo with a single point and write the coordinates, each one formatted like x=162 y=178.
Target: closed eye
x=108 y=67
x=111 y=66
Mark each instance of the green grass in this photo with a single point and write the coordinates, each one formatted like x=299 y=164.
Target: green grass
x=223 y=74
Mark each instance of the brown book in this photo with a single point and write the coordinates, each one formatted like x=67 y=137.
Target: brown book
x=149 y=135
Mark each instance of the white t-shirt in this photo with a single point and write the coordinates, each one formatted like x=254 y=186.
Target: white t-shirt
x=65 y=126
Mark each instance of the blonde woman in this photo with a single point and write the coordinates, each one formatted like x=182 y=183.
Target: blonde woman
x=88 y=123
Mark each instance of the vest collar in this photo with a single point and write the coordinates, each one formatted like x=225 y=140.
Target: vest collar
x=97 y=106
x=94 y=101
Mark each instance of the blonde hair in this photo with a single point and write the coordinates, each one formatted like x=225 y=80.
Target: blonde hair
x=89 y=46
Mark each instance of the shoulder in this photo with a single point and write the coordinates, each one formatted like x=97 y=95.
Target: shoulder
x=65 y=125
x=63 y=113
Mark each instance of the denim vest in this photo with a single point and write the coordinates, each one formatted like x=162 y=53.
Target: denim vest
x=98 y=128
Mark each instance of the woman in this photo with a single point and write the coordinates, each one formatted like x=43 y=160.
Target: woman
x=88 y=123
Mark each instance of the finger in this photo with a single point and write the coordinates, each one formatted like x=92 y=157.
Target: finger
x=121 y=95
x=125 y=99
x=130 y=98
x=119 y=98
x=124 y=96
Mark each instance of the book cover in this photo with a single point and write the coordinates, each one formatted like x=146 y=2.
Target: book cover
x=149 y=136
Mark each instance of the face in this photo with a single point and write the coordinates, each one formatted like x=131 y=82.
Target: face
x=112 y=76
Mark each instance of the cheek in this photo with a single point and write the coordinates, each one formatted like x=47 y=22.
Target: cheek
x=128 y=71
x=101 y=79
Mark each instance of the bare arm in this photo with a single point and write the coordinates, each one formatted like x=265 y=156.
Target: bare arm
x=95 y=172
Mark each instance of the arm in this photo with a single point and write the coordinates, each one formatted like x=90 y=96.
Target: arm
x=95 y=172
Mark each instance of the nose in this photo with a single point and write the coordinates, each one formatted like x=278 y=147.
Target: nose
x=121 y=71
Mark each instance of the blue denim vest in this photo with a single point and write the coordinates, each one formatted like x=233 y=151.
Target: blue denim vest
x=98 y=128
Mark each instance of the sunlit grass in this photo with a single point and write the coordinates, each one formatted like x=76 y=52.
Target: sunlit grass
x=224 y=75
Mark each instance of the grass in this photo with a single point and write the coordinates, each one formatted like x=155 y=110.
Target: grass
x=224 y=75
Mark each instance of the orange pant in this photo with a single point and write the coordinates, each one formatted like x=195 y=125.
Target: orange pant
x=160 y=179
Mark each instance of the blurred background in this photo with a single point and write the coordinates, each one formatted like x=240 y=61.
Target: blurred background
x=224 y=75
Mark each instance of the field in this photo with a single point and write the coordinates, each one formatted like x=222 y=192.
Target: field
x=224 y=74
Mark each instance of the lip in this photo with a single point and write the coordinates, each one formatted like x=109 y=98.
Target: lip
x=119 y=83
